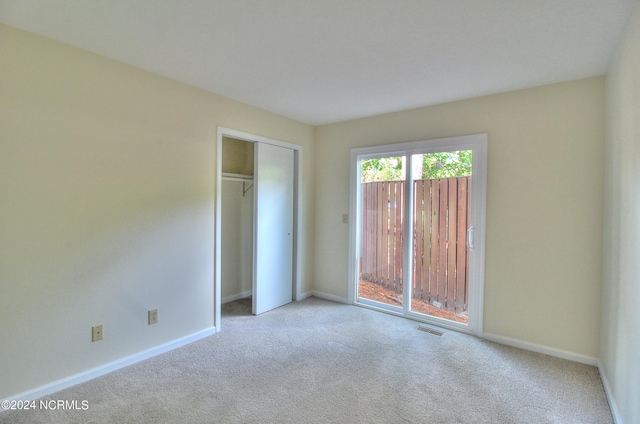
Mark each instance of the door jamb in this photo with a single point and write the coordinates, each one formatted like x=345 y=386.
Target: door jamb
x=297 y=215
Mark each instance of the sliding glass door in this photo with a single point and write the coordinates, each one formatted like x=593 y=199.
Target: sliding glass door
x=417 y=241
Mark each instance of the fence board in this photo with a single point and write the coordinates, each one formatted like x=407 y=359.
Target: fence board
x=435 y=228
x=442 y=240
x=426 y=242
x=399 y=251
x=440 y=255
x=418 y=237
x=452 y=224
x=367 y=231
x=380 y=232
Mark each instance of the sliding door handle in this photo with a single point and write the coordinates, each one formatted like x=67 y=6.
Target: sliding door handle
x=471 y=236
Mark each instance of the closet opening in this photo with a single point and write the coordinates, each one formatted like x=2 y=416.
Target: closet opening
x=257 y=224
x=237 y=225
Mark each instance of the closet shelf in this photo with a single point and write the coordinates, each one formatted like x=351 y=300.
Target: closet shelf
x=236 y=177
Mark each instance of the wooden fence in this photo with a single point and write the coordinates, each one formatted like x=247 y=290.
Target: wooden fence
x=440 y=254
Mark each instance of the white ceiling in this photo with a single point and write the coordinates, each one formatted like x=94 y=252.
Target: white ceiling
x=323 y=61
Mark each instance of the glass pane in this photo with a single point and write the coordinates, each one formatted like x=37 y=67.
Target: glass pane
x=441 y=199
x=382 y=238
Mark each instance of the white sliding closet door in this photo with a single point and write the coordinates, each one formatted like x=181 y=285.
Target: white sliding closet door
x=273 y=221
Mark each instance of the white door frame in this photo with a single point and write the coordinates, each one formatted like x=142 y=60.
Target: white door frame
x=477 y=143
x=297 y=214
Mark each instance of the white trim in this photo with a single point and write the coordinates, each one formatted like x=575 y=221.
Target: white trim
x=331 y=297
x=408 y=230
x=434 y=321
x=236 y=296
x=479 y=145
x=298 y=227
x=465 y=142
x=217 y=247
x=297 y=223
x=534 y=347
x=304 y=295
x=252 y=138
x=82 y=377
x=613 y=406
x=354 y=227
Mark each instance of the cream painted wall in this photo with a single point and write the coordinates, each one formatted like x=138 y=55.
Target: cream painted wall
x=107 y=187
x=620 y=341
x=544 y=204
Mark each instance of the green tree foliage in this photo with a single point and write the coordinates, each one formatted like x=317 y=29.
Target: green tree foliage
x=434 y=165
x=446 y=164
x=381 y=169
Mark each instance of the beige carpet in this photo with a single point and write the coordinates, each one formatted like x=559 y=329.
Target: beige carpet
x=321 y=362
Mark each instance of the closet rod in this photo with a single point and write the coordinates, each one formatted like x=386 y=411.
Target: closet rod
x=236 y=177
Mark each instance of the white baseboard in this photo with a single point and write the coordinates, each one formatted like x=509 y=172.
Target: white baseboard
x=303 y=296
x=558 y=353
x=66 y=382
x=607 y=390
x=237 y=296
x=331 y=297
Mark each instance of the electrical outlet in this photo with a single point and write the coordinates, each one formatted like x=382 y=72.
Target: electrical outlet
x=345 y=218
x=96 y=333
x=153 y=316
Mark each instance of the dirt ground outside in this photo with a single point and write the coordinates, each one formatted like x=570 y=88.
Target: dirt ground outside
x=378 y=293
